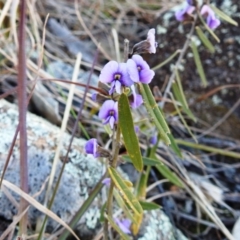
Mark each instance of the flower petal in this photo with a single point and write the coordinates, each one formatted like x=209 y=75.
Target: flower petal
x=106 y=181
x=146 y=76
x=125 y=78
x=123 y=225
x=140 y=62
x=182 y=14
x=132 y=70
x=137 y=98
x=151 y=40
x=106 y=107
x=108 y=71
x=118 y=87
x=111 y=122
x=91 y=147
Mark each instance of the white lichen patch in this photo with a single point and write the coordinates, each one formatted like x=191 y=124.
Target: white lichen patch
x=157 y=226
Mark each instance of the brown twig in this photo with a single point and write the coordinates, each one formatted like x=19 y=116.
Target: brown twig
x=22 y=102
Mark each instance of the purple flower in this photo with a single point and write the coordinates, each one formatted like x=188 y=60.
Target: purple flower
x=190 y=2
x=139 y=70
x=115 y=74
x=106 y=181
x=146 y=46
x=109 y=112
x=151 y=40
x=153 y=139
x=123 y=224
x=136 y=129
x=91 y=147
x=212 y=21
x=184 y=13
x=137 y=98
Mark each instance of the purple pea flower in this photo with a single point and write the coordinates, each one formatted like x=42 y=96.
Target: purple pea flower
x=123 y=224
x=153 y=140
x=212 y=21
x=139 y=70
x=151 y=40
x=184 y=13
x=137 y=98
x=146 y=46
x=115 y=74
x=91 y=147
x=109 y=112
x=106 y=181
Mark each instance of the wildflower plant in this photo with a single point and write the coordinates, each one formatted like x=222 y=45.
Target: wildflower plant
x=126 y=87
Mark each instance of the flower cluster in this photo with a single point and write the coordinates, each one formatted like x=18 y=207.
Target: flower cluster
x=206 y=12
x=114 y=79
x=125 y=75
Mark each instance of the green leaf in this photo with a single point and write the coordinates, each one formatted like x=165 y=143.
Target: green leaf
x=224 y=16
x=198 y=64
x=171 y=176
x=208 y=29
x=148 y=206
x=166 y=61
x=209 y=149
x=146 y=161
x=141 y=188
x=182 y=118
x=128 y=132
x=205 y=40
x=124 y=206
x=180 y=96
x=174 y=145
x=102 y=211
x=117 y=228
x=155 y=112
x=124 y=190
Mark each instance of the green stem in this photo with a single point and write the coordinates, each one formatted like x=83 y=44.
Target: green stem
x=110 y=193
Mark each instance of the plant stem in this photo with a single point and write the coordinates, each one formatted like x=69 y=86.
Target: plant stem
x=22 y=103
x=110 y=193
x=126 y=49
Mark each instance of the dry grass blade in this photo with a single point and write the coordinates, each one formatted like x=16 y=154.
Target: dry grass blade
x=16 y=219
x=39 y=206
x=63 y=127
x=4 y=11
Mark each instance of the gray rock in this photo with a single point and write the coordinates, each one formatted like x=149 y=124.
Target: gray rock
x=81 y=174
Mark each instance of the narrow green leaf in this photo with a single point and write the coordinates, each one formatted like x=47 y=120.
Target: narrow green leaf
x=198 y=64
x=209 y=149
x=167 y=173
x=117 y=228
x=125 y=207
x=155 y=112
x=128 y=132
x=205 y=40
x=146 y=161
x=126 y=193
x=208 y=29
x=148 y=206
x=166 y=61
x=224 y=16
x=141 y=188
x=180 y=96
x=174 y=145
x=182 y=119
x=102 y=211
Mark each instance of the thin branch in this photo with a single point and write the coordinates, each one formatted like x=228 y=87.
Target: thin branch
x=22 y=103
